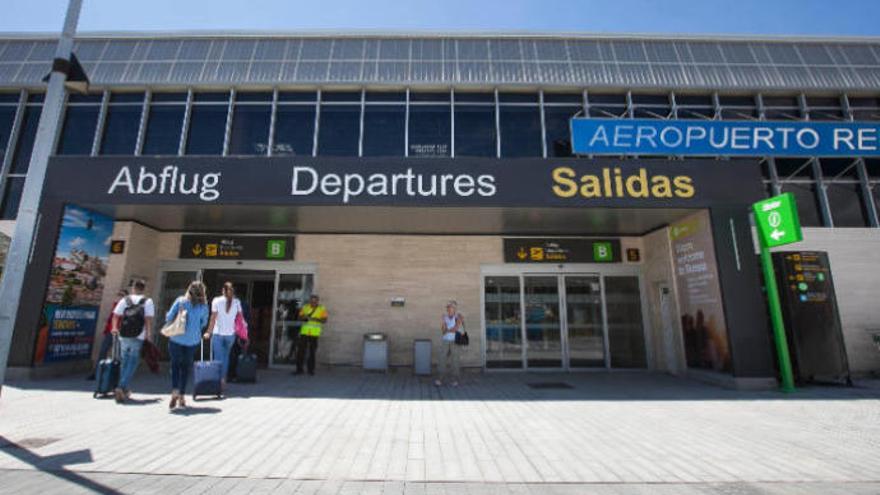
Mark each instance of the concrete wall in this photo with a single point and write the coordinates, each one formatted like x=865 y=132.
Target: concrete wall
x=854 y=255
x=140 y=259
x=666 y=337
x=359 y=274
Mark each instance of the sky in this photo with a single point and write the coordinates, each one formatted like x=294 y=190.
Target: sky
x=735 y=17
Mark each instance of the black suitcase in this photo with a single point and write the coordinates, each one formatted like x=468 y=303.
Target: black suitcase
x=206 y=376
x=246 y=371
x=107 y=372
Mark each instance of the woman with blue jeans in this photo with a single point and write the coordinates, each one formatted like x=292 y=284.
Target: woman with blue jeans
x=182 y=348
x=221 y=328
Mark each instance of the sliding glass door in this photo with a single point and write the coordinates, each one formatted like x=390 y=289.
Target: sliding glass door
x=570 y=321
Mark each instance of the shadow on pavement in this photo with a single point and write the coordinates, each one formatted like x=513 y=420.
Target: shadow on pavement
x=55 y=465
x=352 y=383
x=194 y=411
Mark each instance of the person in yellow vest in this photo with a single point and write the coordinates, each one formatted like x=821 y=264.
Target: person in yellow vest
x=314 y=314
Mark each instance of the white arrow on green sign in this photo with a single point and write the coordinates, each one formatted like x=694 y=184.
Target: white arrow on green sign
x=778 y=222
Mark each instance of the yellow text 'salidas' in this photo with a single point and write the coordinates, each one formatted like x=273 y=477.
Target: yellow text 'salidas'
x=612 y=183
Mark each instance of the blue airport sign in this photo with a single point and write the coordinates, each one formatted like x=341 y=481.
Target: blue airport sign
x=723 y=137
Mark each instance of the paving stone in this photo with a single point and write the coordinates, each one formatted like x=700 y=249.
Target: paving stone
x=348 y=432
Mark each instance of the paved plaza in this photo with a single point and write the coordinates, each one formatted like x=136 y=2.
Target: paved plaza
x=350 y=432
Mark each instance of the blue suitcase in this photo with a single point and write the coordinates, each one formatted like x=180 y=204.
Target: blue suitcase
x=206 y=376
x=107 y=372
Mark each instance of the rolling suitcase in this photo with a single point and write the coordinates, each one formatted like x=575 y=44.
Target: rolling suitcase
x=107 y=373
x=246 y=371
x=207 y=375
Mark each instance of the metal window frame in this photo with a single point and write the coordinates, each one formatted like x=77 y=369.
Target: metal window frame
x=12 y=142
x=98 y=138
x=184 y=128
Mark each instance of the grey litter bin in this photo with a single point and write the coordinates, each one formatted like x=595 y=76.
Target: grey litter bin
x=422 y=356
x=375 y=352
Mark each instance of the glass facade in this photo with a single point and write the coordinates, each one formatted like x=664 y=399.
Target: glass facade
x=425 y=124
x=164 y=124
x=122 y=124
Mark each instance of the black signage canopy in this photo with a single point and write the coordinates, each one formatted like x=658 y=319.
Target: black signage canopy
x=462 y=182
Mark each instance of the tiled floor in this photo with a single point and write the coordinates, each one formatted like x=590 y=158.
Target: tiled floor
x=349 y=432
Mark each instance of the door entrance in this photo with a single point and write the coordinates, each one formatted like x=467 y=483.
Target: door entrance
x=255 y=289
x=271 y=295
x=563 y=321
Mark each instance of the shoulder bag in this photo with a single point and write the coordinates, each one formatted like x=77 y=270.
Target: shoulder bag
x=461 y=336
x=178 y=325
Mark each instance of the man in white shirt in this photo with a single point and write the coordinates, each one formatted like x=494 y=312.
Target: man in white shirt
x=132 y=322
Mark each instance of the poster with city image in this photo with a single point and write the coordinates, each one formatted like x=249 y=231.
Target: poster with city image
x=76 y=285
x=699 y=294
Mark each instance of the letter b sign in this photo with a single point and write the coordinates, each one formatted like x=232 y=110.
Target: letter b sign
x=275 y=249
x=602 y=252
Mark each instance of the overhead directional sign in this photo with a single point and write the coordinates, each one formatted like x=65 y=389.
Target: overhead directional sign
x=777 y=220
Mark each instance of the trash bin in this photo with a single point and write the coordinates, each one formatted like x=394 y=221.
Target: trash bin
x=422 y=356
x=375 y=352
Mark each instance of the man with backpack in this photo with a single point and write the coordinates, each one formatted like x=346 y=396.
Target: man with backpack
x=133 y=322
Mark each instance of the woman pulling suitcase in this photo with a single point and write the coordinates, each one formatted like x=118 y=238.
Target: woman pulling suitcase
x=221 y=329
x=185 y=321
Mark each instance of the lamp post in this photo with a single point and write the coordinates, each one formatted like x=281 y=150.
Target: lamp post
x=27 y=220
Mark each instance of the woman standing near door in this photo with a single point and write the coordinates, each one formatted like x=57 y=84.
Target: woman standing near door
x=221 y=328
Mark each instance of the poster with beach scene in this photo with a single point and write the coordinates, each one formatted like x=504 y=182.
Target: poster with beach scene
x=76 y=284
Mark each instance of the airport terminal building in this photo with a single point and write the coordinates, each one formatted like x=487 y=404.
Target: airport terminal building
x=392 y=173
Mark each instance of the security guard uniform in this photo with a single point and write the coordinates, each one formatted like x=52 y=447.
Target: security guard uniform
x=315 y=316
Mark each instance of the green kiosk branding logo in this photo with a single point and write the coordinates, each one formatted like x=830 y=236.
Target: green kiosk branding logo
x=602 y=252
x=275 y=248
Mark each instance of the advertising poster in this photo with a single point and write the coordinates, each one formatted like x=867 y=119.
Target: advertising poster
x=76 y=284
x=699 y=294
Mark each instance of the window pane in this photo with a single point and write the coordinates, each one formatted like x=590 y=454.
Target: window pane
x=626 y=337
x=121 y=129
x=207 y=127
x=339 y=130
x=78 y=133
x=521 y=131
x=474 y=130
x=250 y=130
x=543 y=326
x=11 y=198
x=793 y=167
x=384 y=130
x=847 y=207
x=163 y=130
x=576 y=98
x=297 y=96
x=503 y=332
x=430 y=130
x=294 y=130
x=807 y=203
x=7 y=119
x=556 y=120
x=26 y=136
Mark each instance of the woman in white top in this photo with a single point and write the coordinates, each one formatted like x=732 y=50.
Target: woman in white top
x=221 y=328
x=448 y=362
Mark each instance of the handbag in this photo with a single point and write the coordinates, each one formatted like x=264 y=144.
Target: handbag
x=178 y=325
x=241 y=327
x=461 y=337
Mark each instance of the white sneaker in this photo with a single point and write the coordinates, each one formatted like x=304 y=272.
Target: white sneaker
x=438 y=383
x=454 y=384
